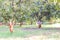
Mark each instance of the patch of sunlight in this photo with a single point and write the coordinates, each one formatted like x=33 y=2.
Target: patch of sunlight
x=56 y=25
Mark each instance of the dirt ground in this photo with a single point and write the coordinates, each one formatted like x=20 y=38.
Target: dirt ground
x=31 y=38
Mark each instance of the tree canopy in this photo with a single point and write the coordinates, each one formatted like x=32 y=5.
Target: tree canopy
x=28 y=10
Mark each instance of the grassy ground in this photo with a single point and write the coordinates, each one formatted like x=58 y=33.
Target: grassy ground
x=30 y=32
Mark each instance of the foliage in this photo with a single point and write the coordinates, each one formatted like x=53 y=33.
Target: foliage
x=27 y=10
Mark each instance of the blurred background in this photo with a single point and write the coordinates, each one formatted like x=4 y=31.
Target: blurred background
x=25 y=14
x=29 y=11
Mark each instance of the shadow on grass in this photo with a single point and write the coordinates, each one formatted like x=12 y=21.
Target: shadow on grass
x=34 y=28
x=27 y=31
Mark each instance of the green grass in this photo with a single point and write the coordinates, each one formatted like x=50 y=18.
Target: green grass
x=4 y=31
